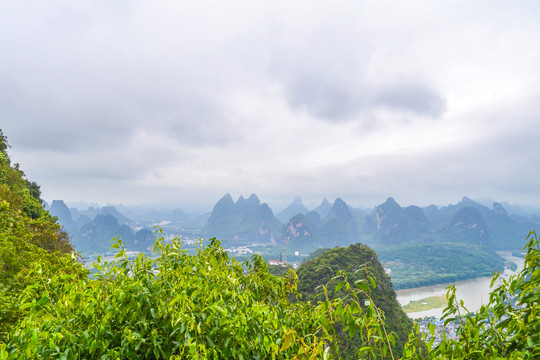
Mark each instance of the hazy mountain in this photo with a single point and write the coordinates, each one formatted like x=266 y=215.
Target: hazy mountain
x=358 y=214
x=295 y=208
x=96 y=235
x=111 y=210
x=314 y=217
x=81 y=221
x=415 y=214
x=59 y=209
x=506 y=232
x=493 y=227
x=143 y=240
x=324 y=208
x=177 y=215
x=522 y=210
x=392 y=223
x=445 y=214
x=468 y=226
x=247 y=220
x=337 y=229
x=341 y=224
x=200 y=220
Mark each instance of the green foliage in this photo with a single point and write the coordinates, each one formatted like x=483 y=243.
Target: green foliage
x=415 y=265
x=279 y=270
x=205 y=306
x=359 y=263
x=508 y=326
x=209 y=306
x=29 y=236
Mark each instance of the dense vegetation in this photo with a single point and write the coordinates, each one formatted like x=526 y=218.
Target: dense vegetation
x=29 y=236
x=181 y=306
x=508 y=326
x=415 y=265
x=357 y=262
x=210 y=306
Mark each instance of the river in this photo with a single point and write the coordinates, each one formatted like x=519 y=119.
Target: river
x=473 y=292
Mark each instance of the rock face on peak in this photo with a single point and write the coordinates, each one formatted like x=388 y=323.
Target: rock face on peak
x=245 y=221
x=295 y=208
x=299 y=233
x=388 y=214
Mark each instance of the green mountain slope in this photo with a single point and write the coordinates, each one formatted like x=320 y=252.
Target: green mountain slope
x=30 y=239
x=320 y=270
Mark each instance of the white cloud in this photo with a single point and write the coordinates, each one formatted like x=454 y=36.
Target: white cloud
x=159 y=101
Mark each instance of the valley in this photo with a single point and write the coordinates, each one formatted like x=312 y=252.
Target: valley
x=418 y=246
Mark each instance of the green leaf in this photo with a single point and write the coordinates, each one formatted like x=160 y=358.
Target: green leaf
x=340 y=285
x=287 y=342
x=43 y=301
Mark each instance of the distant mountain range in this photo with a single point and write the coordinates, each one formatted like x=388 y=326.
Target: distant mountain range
x=419 y=245
x=244 y=221
x=91 y=230
x=248 y=221
x=390 y=224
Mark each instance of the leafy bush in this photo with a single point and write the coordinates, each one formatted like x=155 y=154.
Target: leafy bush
x=209 y=306
x=509 y=325
x=182 y=306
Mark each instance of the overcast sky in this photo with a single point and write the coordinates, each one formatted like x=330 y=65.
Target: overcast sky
x=180 y=102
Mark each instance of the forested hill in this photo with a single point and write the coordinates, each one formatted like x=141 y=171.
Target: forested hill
x=29 y=237
x=357 y=262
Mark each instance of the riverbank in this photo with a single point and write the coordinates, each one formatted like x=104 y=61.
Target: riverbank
x=431 y=302
x=473 y=292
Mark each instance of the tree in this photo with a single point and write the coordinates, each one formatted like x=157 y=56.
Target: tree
x=508 y=326
x=177 y=305
x=29 y=236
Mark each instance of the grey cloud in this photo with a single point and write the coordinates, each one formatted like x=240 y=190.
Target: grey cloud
x=41 y=121
x=338 y=100
x=192 y=120
x=411 y=97
x=326 y=99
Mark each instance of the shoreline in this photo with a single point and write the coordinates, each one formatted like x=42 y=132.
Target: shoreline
x=474 y=291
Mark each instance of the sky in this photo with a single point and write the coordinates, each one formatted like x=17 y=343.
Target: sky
x=179 y=102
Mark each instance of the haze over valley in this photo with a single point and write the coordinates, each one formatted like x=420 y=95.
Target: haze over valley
x=417 y=245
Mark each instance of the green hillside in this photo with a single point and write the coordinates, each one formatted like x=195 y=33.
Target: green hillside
x=415 y=265
x=357 y=262
x=30 y=239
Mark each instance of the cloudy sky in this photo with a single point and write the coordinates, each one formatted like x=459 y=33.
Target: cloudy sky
x=180 y=102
